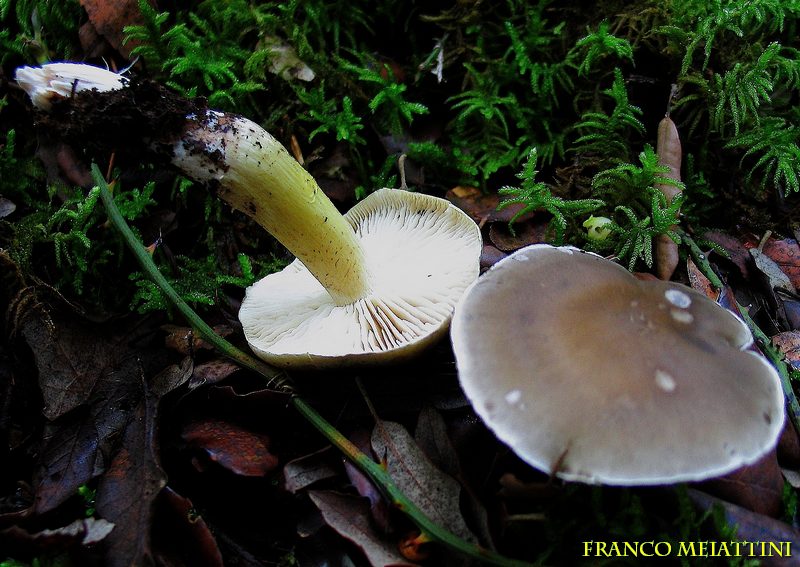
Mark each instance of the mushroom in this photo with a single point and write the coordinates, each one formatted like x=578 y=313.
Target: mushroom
x=419 y=255
x=588 y=373
x=376 y=284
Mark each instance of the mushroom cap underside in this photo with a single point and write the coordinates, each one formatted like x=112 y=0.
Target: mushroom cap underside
x=583 y=368
x=421 y=253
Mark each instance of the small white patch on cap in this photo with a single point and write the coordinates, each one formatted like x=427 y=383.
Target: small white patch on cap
x=665 y=381
x=513 y=396
x=682 y=316
x=677 y=298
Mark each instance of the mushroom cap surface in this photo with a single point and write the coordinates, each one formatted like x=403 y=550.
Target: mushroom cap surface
x=421 y=253
x=593 y=375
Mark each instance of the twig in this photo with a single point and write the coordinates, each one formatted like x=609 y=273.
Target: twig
x=776 y=358
x=772 y=354
x=277 y=380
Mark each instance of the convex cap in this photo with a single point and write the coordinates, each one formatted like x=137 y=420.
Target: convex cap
x=419 y=253
x=593 y=375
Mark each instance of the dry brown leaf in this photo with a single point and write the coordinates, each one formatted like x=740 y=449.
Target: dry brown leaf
x=6 y=207
x=305 y=471
x=699 y=282
x=788 y=343
x=751 y=527
x=240 y=451
x=435 y=493
x=482 y=207
x=525 y=233
x=182 y=533
x=109 y=17
x=757 y=487
x=349 y=517
x=490 y=255
x=786 y=254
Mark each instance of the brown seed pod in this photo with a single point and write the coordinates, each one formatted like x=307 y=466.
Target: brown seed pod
x=669 y=152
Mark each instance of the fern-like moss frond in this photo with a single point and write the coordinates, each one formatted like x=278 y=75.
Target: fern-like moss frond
x=535 y=195
x=774 y=145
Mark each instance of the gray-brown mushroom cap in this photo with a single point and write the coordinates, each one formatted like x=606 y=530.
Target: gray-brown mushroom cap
x=596 y=376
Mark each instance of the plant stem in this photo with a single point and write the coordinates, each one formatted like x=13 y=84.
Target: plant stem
x=765 y=345
x=700 y=260
x=277 y=380
x=776 y=358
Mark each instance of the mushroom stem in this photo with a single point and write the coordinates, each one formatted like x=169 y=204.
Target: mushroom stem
x=253 y=172
x=256 y=175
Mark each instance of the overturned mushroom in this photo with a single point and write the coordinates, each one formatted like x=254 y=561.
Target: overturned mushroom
x=370 y=286
x=596 y=376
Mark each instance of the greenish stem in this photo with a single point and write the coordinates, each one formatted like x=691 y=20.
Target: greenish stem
x=772 y=354
x=700 y=260
x=776 y=358
x=277 y=380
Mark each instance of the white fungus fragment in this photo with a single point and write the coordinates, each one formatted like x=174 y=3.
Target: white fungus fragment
x=677 y=298
x=665 y=381
x=681 y=316
x=513 y=396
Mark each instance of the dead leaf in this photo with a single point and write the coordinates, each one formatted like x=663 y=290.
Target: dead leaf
x=240 y=451
x=349 y=517
x=6 y=207
x=788 y=343
x=212 y=372
x=757 y=487
x=482 y=207
x=433 y=438
x=128 y=489
x=109 y=18
x=771 y=270
x=525 y=233
x=791 y=307
x=86 y=531
x=378 y=506
x=786 y=254
x=435 y=493
x=186 y=536
x=71 y=358
x=700 y=282
x=751 y=527
x=77 y=447
x=308 y=470
x=490 y=255
x=735 y=249
x=185 y=341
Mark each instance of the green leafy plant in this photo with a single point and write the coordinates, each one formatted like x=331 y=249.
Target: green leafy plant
x=39 y=30
x=643 y=210
x=606 y=136
x=18 y=175
x=199 y=55
x=739 y=18
x=774 y=145
x=535 y=195
x=388 y=101
x=343 y=123
x=599 y=44
x=197 y=282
